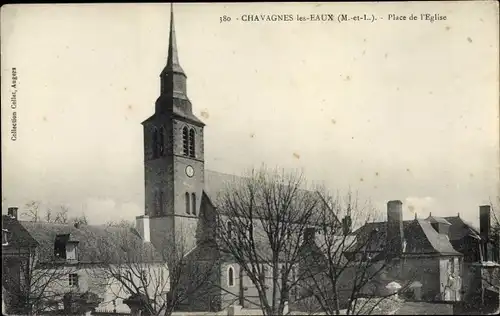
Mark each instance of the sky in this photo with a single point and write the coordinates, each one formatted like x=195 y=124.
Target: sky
x=395 y=110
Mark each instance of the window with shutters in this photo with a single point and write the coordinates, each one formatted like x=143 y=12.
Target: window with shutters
x=73 y=279
x=192 y=143
x=185 y=140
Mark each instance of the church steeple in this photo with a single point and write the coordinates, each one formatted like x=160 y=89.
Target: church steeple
x=173 y=78
x=173 y=64
x=173 y=160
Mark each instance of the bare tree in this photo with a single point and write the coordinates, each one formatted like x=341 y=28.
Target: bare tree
x=121 y=223
x=31 y=284
x=159 y=281
x=492 y=276
x=262 y=220
x=339 y=273
x=48 y=215
x=495 y=220
x=32 y=211
x=61 y=216
x=79 y=220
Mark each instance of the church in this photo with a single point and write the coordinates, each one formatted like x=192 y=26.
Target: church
x=179 y=191
x=178 y=188
x=176 y=182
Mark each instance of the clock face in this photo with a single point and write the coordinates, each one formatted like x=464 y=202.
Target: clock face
x=189 y=171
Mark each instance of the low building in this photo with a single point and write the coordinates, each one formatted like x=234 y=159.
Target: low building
x=80 y=266
x=452 y=260
x=18 y=253
x=481 y=271
x=419 y=249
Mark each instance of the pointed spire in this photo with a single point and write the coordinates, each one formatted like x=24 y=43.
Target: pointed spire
x=415 y=215
x=173 y=64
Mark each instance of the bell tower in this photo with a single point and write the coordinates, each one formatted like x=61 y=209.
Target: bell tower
x=173 y=161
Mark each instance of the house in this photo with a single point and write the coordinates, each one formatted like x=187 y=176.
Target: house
x=18 y=252
x=81 y=264
x=451 y=260
x=417 y=250
x=481 y=250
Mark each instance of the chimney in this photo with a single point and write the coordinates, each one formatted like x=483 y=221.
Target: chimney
x=12 y=212
x=484 y=228
x=142 y=224
x=395 y=227
x=346 y=225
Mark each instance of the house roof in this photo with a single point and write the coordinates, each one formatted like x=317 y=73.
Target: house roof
x=420 y=237
x=439 y=242
x=97 y=243
x=18 y=236
x=460 y=228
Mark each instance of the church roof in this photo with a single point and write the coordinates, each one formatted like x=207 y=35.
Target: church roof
x=216 y=183
x=182 y=112
x=97 y=243
x=179 y=112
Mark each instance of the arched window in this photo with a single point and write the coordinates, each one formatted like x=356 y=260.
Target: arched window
x=263 y=273
x=188 y=208
x=229 y=229
x=160 y=203
x=155 y=143
x=185 y=140
x=230 y=276
x=161 y=142
x=191 y=143
x=157 y=203
x=193 y=202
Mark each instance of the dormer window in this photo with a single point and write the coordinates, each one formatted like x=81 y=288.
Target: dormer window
x=71 y=250
x=65 y=249
x=5 y=237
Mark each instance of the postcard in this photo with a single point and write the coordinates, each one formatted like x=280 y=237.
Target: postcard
x=250 y=158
